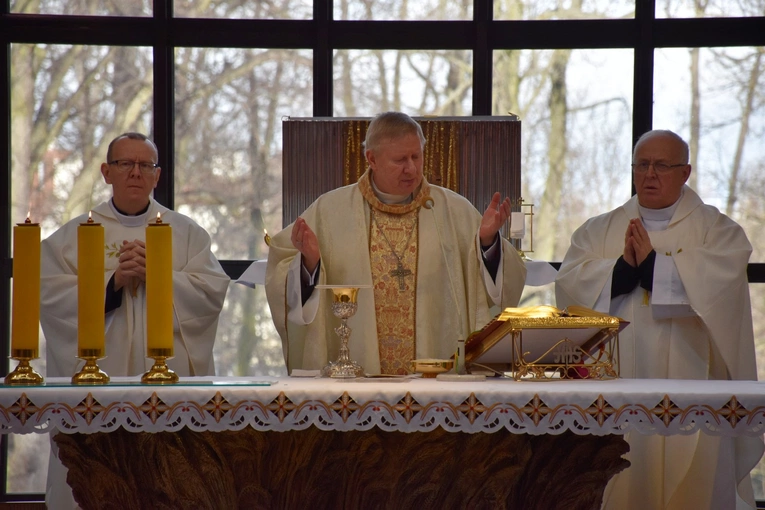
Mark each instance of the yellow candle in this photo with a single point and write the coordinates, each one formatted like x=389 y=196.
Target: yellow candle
x=26 y=288
x=90 y=289
x=159 y=288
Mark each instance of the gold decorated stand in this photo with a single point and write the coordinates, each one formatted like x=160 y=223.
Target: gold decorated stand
x=90 y=372
x=23 y=374
x=544 y=343
x=160 y=373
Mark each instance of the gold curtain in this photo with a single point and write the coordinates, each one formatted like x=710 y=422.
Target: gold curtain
x=441 y=155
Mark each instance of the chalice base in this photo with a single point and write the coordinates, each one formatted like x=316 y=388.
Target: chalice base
x=343 y=370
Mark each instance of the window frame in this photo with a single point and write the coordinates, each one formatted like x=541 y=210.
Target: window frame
x=322 y=34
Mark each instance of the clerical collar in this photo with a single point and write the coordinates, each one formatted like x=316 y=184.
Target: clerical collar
x=129 y=220
x=658 y=219
x=387 y=198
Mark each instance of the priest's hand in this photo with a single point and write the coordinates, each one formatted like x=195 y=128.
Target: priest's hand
x=305 y=241
x=629 y=247
x=132 y=265
x=640 y=241
x=495 y=216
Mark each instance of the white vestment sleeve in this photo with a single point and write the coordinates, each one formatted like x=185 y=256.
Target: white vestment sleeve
x=199 y=289
x=493 y=286
x=603 y=303
x=668 y=298
x=298 y=313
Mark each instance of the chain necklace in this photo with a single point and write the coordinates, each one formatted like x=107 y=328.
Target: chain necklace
x=400 y=272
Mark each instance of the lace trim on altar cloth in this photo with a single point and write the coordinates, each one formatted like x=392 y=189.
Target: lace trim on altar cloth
x=285 y=412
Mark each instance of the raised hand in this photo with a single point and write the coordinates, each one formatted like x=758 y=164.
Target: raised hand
x=493 y=218
x=305 y=241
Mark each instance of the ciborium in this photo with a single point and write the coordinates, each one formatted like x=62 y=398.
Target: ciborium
x=344 y=306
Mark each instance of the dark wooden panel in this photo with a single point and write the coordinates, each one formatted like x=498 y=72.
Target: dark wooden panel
x=474 y=156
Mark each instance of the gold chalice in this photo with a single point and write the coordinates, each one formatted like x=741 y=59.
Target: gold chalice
x=344 y=306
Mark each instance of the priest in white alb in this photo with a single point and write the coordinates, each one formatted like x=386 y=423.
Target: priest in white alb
x=434 y=264
x=675 y=268
x=199 y=284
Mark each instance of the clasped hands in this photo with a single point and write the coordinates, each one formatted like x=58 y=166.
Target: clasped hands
x=131 y=270
x=637 y=244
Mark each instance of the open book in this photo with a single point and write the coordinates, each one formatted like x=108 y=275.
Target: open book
x=542 y=335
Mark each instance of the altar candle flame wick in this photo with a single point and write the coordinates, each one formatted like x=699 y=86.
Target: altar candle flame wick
x=90 y=216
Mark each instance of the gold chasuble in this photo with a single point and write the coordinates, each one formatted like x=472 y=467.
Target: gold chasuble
x=393 y=249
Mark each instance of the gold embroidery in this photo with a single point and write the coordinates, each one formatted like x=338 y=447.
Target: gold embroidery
x=112 y=251
x=394 y=294
x=400 y=272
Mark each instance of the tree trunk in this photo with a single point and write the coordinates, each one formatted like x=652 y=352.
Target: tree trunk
x=556 y=156
x=746 y=113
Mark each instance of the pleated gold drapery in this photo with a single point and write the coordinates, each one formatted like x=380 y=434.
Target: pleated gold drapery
x=441 y=154
x=473 y=156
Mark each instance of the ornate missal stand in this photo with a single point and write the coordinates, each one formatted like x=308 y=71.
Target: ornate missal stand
x=90 y=372
x=544 y=343
x=23 y=374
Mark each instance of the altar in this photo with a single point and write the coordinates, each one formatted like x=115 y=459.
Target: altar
x=381 y=443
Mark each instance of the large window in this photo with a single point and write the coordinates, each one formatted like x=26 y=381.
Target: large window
x=211 y=81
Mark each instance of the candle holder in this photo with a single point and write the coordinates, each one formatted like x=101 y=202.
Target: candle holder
x=516 y=235
x=23 y=374
x=91 y=373
x=160 y=373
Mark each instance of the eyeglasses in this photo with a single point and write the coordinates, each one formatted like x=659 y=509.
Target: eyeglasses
x=125 y=165
x=660 y=168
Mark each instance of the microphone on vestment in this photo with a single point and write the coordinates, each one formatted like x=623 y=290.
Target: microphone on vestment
x=428 y=203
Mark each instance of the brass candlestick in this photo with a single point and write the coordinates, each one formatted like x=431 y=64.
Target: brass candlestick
x=160 y=373
x=23 y=374
x=91 y=373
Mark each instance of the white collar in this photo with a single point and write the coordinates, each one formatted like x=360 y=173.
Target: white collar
x=130 y=221
x=658 y=219
x=387 y=198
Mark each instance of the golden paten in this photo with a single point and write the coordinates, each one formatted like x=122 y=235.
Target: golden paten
x=431 y=367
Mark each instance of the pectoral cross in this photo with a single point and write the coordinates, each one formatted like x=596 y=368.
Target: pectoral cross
x=400 y=272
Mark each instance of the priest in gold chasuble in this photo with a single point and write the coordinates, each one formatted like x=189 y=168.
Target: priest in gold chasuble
x=434 y=263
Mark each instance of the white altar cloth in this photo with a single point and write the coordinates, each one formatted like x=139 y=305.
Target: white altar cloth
x=662 y=407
